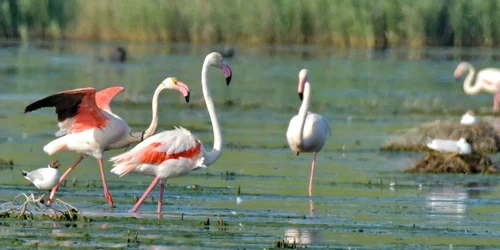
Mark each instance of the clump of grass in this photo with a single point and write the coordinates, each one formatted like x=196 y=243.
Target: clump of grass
x=484 y=137
x=435 y=162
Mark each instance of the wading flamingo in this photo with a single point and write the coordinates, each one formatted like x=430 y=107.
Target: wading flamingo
x=486 y=80
x=88 y=127
x=175 y=152
x=307 y=131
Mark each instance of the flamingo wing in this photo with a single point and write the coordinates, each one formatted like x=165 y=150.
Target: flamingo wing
x=76 y=110
x=172 y=144
x=104 y=97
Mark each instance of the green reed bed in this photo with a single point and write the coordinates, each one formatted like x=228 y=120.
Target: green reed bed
x=346 y=23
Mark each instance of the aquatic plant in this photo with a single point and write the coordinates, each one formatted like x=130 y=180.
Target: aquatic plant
x=357 y=23
x=35 y=206
x=435 y=162
x=484 y=137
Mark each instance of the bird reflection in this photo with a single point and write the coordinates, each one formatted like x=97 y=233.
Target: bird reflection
x=450 y=201
x=304 y=236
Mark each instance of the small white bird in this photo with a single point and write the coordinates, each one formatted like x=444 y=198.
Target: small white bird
x=461 y=146
x=44 y=178
x=469 y=118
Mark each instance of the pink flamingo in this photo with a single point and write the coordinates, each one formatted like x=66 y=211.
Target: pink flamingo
x=88 y=127
x=307 y=131
x=486 y=80
x=175 y=152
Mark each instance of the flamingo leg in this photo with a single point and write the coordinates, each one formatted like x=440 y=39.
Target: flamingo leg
x=160 y=198
x=145 y=195
x=496 y=101
x=312 y=175
x=54 y=189
x=105 y=185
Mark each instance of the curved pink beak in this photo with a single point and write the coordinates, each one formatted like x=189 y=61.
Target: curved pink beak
x=184 y=89
x=300 y=90
x=227 y=72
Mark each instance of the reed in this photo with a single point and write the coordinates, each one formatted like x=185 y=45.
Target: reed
x=345 y=23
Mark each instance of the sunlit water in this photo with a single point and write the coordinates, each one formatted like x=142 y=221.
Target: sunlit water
x=362 y=200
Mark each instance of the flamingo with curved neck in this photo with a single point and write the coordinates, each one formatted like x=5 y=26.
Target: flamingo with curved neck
x=307 y=131
x=175 y=152
x=487 y=80
x=87 y=125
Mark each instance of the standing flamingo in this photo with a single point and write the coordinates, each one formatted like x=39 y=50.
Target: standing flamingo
x=88 y=127
x=307 y=131
x=175 y=152
x=486 y=80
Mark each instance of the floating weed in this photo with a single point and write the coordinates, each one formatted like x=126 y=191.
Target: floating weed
x=59 y=210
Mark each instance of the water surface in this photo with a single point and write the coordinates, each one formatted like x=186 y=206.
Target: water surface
x=366 y=95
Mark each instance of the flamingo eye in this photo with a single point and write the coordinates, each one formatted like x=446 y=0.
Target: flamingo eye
x=174 y=80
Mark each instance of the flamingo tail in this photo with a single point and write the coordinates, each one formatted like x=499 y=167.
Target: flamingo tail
x=123 y=163
x=55 y=145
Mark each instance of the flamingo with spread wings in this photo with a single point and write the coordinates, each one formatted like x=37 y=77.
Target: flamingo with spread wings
x=87 y=125
x=175 y=152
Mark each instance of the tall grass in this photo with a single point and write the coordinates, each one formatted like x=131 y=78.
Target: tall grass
x=346 y=23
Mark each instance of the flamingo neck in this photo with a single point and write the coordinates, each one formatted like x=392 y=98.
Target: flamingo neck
x=468 y=88
x=304 y=109
x=154 y=120
x=213 y=155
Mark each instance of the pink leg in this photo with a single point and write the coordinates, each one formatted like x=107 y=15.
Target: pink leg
x=160 y=198
x=312 y=175
x=496 y=101
x=145 y=195
x=54 y=190
x=105 y=185
x=311 y=208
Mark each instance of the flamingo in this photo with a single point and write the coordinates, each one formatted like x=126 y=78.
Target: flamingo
x=87 y=125
x=486 y=80
x=175 y=152
x=307 y=131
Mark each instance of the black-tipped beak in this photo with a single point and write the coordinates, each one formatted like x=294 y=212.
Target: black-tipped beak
x=296 y=153
x=228 y=80
x=301 y=96
x=187 y=97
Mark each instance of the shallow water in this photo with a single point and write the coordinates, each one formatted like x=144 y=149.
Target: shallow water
x=366 y=95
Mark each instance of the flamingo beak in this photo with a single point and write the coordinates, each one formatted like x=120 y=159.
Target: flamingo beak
x=228 y=73
x=184 y=89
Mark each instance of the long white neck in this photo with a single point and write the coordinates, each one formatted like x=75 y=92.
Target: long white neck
x=213 y=155
x=154 y=120
x=468 y=88
x=304 y=108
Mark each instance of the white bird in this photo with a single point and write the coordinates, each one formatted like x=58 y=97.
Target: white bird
x=175 y=152
x=307 y=131
x=487 y=80
x=461 y=146
x=44 y=178
x=469 y=118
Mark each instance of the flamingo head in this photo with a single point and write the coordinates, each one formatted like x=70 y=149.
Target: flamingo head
x=54 y=164
x=173 y=83
x=216 y=60
x=303 y=78
x=461 y=68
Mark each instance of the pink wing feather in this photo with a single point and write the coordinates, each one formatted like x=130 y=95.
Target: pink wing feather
x=104 y=97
